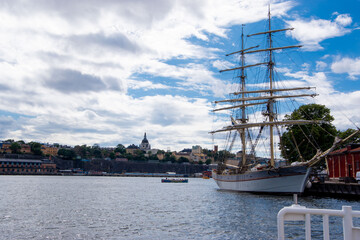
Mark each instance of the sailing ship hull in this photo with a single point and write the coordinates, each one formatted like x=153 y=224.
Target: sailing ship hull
x=290 y=179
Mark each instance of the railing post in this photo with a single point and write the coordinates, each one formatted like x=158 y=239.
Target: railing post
x=280 y=225
x=326 y=229
x=308 y=226
x=347 y=222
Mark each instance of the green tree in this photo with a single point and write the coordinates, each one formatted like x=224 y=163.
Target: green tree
x=35 y=148
x=160 y=152
x=345 y=134
x=153 y=157
x=208 y=152
x=139 y=155
x=66 y=153
x=15 y=147
x=307 y=138
x=222 y=155
x=169 y=157
x=182 y=159
x=120 y=149
x=97 y=153
x=81 y=151
x=208 y=161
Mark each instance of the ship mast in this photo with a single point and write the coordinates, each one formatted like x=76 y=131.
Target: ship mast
x=270 y=97
x=243 y=116
x=271 y=101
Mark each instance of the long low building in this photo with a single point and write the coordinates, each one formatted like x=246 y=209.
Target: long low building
x=26 y=166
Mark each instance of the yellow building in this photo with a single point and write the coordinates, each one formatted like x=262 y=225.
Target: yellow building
x=182 y=154
x=5 y=147
x=25 y=148
x=49 y=150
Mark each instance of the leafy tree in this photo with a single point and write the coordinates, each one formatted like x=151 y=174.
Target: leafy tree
x=308 y=138
x=97 y=153
x=66 y=153
x=160 y=152
x=139 y=155
x=112 y=155
x=182 y=159
x=81 y=151
x=172 y=158
x=208 y=152
x=345 y=134
x=169 y=157
x=201 y=162
x=208 y=162
x=153 y=157
x=222 y=155
x=120 y=148
x=35 y=148
x=15 y=147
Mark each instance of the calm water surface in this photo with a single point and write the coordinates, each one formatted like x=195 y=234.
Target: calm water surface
x=77 y=207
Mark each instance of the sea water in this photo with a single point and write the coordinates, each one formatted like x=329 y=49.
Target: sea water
x=80 y=207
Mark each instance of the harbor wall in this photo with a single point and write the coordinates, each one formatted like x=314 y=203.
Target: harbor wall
x=143 y=167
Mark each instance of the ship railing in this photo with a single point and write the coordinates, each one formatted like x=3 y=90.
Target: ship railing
x=300 y=213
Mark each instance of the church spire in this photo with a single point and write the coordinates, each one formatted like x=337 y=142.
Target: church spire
x=145 y=144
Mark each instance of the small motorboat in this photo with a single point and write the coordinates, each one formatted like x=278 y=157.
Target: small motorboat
x=174 y=180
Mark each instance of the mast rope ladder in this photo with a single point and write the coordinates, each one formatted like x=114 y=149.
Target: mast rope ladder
x=253 y=146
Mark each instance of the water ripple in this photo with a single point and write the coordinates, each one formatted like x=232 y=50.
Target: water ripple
x=55 y=207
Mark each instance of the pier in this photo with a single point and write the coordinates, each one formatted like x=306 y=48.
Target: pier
x=333 y=189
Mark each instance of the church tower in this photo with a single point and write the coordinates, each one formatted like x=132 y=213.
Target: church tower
x=145 y=146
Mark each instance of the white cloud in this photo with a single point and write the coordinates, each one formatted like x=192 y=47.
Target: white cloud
x=311 y=32
x=347 y=65
x=68 y=68
x=320 y=65
x=219 y=64
x=340 y=104
x=145 y=85
x=68 y=71
x=344 y=19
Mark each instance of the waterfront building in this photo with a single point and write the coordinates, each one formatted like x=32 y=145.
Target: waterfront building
x=344 y=162
x=26 y=166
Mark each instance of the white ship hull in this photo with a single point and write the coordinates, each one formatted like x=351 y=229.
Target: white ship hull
x=282 y=180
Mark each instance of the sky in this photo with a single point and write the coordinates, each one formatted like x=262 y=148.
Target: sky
x=104 y=72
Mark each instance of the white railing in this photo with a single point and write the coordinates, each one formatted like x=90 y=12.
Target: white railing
x=300 y=213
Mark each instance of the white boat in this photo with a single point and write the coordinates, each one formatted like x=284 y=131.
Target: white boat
x=281 y=180
x=245 y=176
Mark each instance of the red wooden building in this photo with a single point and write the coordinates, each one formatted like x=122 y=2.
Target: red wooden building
x=344 y=162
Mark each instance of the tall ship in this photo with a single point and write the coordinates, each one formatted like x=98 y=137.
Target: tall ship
x=248 y=175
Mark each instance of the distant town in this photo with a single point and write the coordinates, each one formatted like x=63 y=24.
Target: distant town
x=19 y=157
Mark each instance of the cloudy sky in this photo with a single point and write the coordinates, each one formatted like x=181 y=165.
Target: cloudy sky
x=105 y=72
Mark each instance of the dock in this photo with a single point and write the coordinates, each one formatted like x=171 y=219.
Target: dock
x=333 y=189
